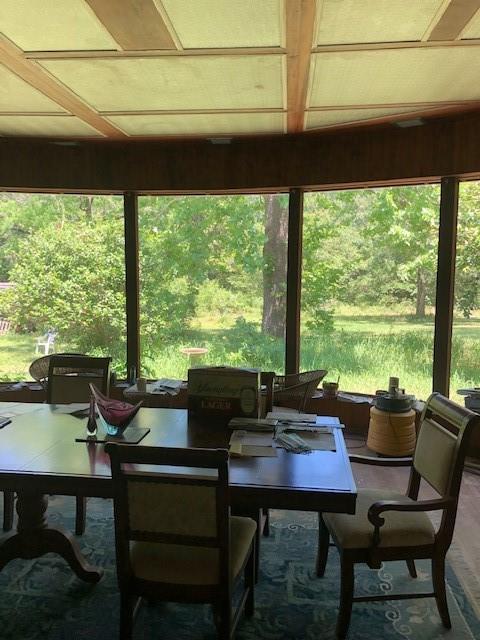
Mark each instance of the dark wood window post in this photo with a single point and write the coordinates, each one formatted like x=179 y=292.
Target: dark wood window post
x=130 y=208
x=447 y=238
x=294 y=281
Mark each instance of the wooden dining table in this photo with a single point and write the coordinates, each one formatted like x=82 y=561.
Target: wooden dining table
x=39 y=456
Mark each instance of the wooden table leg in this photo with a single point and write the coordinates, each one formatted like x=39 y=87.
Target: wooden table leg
x=34 y=538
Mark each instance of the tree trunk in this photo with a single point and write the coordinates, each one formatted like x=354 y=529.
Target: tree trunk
x=274 y=266
x=421 y=294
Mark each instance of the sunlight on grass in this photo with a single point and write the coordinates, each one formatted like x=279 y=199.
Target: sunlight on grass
x=365 y=349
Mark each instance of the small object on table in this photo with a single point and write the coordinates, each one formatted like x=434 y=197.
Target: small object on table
x=91 y=423
x=114 y=415
x=142 y=385
x=330 y=389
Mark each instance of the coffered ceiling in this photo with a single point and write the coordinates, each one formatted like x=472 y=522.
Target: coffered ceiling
x=124 y=69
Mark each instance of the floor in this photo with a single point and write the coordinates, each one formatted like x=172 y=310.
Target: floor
x=464 y=553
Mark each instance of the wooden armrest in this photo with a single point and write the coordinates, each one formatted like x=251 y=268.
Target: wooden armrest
x=396 y=505
x=381 y=462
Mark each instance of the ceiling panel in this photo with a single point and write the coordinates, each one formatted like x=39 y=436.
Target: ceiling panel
x=186 y=82
x=472 y=30
x=317 y=119
x=350 y=21
x=53 y=25
x=18 y=95
x=226 y=23
x=200 y=124
x=386 y=77
x=51 y=126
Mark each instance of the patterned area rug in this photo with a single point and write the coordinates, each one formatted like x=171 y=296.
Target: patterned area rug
x=42 y=599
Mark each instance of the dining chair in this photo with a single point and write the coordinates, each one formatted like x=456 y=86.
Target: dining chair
x=40 y=367
x=175 y=538
x=296 y=389
x=69 y=373
x=69 y=377
x=393 y=526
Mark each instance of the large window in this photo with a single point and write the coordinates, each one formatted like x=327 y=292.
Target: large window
x=212 y=277
x=465 y=366
x=368 y=286
x=62 y=275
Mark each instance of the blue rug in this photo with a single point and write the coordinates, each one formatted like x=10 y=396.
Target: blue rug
x=42 y=599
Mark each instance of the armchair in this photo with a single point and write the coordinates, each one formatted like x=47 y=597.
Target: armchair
x=391 y=526
x=296 y=389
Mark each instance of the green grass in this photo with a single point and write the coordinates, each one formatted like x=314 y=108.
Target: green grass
x=365 y=349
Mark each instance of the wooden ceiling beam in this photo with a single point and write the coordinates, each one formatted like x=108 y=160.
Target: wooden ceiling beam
x=382 y=46
x=300 y=28
x=12 y=58
x=155 y=53
x=134 y=24
x=455 y=18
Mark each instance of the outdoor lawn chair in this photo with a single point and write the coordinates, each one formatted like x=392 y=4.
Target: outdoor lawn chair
x=174 y=537
x=391 y=526
x=46 y=342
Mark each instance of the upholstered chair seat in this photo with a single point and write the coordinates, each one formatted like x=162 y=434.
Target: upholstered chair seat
x=400 y=529
x=181 y=564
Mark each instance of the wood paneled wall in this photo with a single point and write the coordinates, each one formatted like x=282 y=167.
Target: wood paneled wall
x=355 y=157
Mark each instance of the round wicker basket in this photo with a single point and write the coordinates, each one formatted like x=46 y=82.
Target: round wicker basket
x=391 y=434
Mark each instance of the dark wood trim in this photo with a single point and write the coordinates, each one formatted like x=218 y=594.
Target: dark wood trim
x=447 y=238
x=132 y=286
x=454 y=20
x=294 y=281
x=134 y=26
x=384 y=155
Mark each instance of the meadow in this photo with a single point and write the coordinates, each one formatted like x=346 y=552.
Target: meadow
x=366 y=347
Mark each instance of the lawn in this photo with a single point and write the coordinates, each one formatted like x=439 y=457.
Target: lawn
x=364 y=350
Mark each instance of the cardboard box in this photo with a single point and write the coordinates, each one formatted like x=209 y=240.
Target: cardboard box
x=224 y=392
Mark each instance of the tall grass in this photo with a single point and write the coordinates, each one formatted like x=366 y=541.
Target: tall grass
x=364 y=350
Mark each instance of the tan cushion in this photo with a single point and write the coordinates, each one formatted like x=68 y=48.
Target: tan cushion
x=181 y=564
x=401 y=529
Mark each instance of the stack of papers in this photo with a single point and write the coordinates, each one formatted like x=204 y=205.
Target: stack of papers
x=166 y=385
x=246 y=443
x=253 y=424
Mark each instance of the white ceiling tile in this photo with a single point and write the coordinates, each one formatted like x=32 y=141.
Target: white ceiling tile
x=350 y=21
x=317 y=119
x=186 y=82
x=18 y=95
x=394 y=76
x=51 y=126
x=226 y=23
x=53 y=25
x=199 y=124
